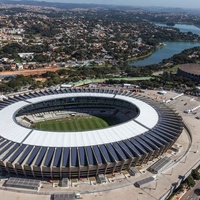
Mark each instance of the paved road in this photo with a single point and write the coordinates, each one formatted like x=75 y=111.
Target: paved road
x=193 y=193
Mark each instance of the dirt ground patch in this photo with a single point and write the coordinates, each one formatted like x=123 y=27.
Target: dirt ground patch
x=29 y=72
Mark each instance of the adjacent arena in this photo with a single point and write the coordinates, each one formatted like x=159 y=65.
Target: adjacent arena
x=144 y=130
x=189 y=70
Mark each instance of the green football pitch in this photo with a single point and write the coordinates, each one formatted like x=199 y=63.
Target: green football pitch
x=76 y=123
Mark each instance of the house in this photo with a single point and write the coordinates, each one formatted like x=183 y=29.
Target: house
x=19 y=66
x=26 y=55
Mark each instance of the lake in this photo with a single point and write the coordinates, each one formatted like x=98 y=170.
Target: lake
x=171 y=48
x=183 y=27
x=167 y=51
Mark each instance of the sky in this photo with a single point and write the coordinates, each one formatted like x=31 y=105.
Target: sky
x=164 y=3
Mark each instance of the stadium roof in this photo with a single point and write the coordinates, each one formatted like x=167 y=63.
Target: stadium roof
x=190 y=68
x=9 y=129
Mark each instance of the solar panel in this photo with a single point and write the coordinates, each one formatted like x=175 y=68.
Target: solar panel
x=144 y=144
x=24 y=155
x=40 y=156
x=173 y=133
x=138 y=146
x=1 y=140
x=49 y=157
x=32 y=155
x=63 y=196
x=160 y=164
x=6 y=146
x=133 y=148
x=163 y=133
x=57 y=158
x=74 y=157
x=98 y=155
x=105 y=153
x=166 y=136
x=82 y=156
x=66 y=157
x=154 y=140
x=125 y=148
x=171 y=124
x=4 y=143
x=168 y=127
x=113 y=152
x=91 y=157
x=36 y=94
x=158 y=137
x=19 y=150
x=11 y=151
x=144 y=181
x=23 y=183
x=31 y=95
x=153 y=145
x=120 y=151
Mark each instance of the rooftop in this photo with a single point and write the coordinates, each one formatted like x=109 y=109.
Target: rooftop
x=190 y=68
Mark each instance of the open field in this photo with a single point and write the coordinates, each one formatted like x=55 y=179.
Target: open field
x=75 y=123
x=28 y=72
x=87 y=81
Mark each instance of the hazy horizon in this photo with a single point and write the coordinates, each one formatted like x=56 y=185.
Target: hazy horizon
x=162 y=3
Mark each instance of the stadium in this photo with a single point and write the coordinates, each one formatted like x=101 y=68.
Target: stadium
x=118 y=129
x=191 y=71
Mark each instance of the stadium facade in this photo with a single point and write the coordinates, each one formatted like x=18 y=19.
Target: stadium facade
x=145 y=130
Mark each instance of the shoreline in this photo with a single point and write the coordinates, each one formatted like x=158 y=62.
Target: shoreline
x=146 y=55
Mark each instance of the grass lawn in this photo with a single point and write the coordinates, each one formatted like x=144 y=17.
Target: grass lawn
x=173 y=69
x=76 y=123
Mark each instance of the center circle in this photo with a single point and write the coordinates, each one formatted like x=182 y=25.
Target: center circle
x=73 y=114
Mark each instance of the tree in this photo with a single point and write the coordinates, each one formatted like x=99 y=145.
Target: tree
x=190 y=181
x=195 y=174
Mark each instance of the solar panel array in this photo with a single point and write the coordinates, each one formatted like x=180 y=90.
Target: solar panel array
x=67 y=196
x=160 y=164
x=143 y=182
x=23 y=183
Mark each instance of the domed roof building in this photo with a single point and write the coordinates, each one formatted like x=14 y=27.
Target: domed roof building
x=190 y=70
